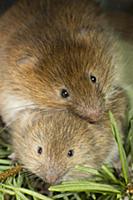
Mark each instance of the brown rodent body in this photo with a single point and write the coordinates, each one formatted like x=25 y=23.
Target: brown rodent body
x=51 y=146
x=48 y=46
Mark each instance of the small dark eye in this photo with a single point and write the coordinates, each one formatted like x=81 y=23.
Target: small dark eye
x=64 y=93
x=93 y=79
x=39 y=150
x=70 y=153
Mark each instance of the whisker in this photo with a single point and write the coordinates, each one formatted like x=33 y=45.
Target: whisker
x=126 y=87
x=31 y=176
x=118 y=91
x=21 y=107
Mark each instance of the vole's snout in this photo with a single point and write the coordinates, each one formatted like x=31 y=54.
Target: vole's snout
x=52 y=178
x=90 y=115
x=94 y=116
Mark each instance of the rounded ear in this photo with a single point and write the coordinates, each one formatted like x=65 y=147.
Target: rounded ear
x=28 y=117
x=82 y=34
x=26 y=60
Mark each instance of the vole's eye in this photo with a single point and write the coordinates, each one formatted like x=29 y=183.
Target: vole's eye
x=70 y=153
x=93 y=79
x=64 y=93
x=39 y=150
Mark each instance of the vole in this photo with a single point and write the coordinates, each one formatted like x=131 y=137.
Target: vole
x=51 y=145
x=56 y=55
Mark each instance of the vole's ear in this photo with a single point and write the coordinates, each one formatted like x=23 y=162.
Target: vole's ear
x=82 y=33
x=29 y=117
x=90 y=34
x=24 y=117
x=26 y=61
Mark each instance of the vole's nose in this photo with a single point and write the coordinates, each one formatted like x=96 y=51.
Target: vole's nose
x=51 y=178
x=94 y=116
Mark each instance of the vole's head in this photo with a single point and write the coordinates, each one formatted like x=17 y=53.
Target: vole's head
x=74 y=73
x=64 y=60
x=52 y=146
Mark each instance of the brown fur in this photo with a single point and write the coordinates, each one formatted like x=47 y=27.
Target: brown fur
x=49 y=45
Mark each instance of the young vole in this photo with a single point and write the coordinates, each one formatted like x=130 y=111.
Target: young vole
x=50 y=146
x=56 y=55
